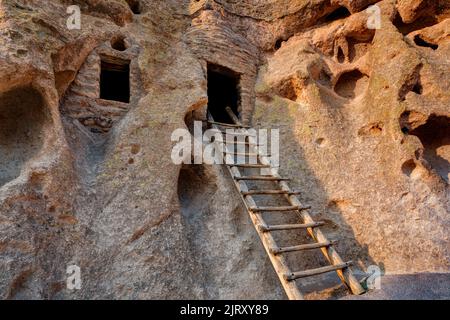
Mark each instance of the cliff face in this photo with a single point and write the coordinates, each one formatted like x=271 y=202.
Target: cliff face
x=363 y=116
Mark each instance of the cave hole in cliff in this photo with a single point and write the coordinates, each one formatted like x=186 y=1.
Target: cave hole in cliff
x=340 y=13
x=23 y=121
x=412 y=84
x=195 y=187
x=340 y=55
x=357 y=48
x=325 y=77
x=422 y=43
x=223 y=91
x=419 y=24
x=435 y=138
x=351 y=84
x=408 y=167
x=418 y=89
x=135 y=6
x=115 y=80
x=118 y=43
x=278 y=44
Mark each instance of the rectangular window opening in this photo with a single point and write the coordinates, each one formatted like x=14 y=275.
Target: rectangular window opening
x=115 y=81
x=223 y=91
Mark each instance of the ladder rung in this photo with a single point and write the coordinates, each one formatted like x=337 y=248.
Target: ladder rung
x=286 y=208
x=302 y=247
x=313 y=272
x=245 y=165
x=262 y=178
x=261 y=192
x=290 y=226
x=246 y=153
x=231 y=125
x=237 y=134
x=245 y=143
x=241 y=153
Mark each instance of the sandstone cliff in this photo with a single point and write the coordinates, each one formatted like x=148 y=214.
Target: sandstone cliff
x=365 y=134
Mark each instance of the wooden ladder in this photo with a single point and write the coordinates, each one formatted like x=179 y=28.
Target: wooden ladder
x=265 y=231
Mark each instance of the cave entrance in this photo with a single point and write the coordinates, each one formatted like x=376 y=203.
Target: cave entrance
x=115 y=80
x=223 y=91
x=24 y=119
x=435 y=137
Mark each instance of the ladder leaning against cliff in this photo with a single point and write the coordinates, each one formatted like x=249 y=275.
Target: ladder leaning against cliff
x=275 y=253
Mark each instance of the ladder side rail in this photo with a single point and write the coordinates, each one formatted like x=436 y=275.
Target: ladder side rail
x=278 y=262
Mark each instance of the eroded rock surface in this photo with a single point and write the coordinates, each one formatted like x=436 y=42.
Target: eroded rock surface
x=363 y=115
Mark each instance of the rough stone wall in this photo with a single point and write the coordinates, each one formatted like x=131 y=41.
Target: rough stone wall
x=90 y=182
x=353 y=97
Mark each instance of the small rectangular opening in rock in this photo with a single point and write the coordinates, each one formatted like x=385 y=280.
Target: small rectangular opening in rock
x=223 y=91
x=115 y=81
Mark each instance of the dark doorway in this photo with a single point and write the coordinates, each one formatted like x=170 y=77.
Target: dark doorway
x=115 y=81
x=223 y=91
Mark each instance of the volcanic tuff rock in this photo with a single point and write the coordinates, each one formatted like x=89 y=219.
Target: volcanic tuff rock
x=363 y=116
